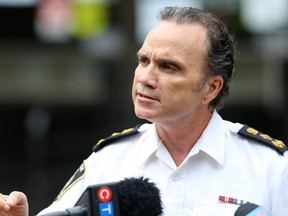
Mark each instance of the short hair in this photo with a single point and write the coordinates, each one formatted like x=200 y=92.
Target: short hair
x=221 y=45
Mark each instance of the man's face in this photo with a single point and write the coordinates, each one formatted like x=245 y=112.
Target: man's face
x=168 y=82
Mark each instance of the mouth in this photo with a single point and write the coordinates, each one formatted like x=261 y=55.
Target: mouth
x=145 y=96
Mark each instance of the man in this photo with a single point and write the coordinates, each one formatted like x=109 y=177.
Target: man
x=195 y=158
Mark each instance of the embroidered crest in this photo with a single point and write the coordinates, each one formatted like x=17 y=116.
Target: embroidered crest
x=114 y=137
x=78 y=175
x=256 y=135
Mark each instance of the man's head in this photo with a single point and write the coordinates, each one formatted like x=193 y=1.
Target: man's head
x=178 y=76
x=220 y=44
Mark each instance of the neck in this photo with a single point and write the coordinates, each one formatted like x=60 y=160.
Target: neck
x=180 y=137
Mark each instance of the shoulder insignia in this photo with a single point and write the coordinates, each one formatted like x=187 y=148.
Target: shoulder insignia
x=114 y=137
x=265 y=139
x=78 y=175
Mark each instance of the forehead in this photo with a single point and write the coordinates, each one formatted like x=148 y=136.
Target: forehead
x=185 y=39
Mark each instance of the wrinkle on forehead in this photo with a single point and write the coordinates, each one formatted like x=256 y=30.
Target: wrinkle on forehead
x=180 y=42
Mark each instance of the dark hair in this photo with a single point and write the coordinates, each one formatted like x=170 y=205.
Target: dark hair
x=220 y=44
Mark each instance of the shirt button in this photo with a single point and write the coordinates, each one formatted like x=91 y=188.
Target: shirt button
x=175 y=177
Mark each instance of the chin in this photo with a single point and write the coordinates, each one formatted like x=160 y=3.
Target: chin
x=144 y=115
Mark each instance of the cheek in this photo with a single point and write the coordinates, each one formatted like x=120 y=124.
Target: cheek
x=181 y=95
x=177 y=89
x=135 y=82
x=136 y=76
x=133 y=94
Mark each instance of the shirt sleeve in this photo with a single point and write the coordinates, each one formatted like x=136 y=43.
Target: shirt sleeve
x=279 y=189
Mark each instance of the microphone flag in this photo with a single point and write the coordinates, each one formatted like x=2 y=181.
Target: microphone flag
x=102 y=199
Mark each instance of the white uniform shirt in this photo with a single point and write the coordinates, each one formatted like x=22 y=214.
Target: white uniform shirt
x=222 y=163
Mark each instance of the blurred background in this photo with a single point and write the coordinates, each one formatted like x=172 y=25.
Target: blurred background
x=66 y=68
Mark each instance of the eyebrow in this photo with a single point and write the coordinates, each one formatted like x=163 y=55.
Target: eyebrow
x=139 y=55
x=174 y=63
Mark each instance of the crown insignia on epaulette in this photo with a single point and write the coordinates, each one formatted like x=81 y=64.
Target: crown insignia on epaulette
x=256 y=135
x=114 y=137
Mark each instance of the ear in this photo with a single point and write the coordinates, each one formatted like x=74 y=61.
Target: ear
x=213 y=86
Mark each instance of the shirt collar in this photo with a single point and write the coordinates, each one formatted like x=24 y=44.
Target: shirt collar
x=212 y=140
x=151 y=142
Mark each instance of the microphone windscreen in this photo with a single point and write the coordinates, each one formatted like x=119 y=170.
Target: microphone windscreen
x=251 y=209
x=138 y=196
x=245 y=209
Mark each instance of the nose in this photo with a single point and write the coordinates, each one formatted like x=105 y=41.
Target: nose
x=147 y=76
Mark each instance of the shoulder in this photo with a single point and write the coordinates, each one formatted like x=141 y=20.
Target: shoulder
x=252 y=134
x=120 y=136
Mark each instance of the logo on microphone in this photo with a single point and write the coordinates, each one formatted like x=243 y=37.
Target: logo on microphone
x=104 y=195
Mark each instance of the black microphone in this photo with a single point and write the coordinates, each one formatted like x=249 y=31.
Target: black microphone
x=129 y=197
x=251 y=209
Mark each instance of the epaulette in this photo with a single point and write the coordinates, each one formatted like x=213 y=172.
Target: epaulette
x=115 y=137
x=265 y=139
